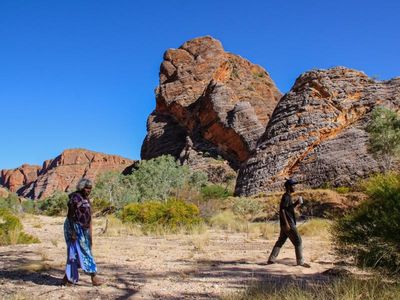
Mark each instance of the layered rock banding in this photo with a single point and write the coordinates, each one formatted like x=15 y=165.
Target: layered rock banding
x=62 y=173
x=317 y=132
x=224 y=103
x=16 y=178
x=220 y=100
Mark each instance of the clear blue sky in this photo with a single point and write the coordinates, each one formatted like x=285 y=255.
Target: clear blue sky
x=83 y=73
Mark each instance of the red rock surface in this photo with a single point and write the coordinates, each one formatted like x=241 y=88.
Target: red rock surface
x=15 y=179
x=63 y=172
x=218 y=99
x=317 y=132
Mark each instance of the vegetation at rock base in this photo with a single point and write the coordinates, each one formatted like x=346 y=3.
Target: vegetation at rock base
x=172 y=214
x=11 y=230
x=370 y=233
x=155 y=179
x=384 y=136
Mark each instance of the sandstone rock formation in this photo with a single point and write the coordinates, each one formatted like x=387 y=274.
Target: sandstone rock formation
x=317 y=132
x=62 y=173
x=217 y=100
x=19 y=177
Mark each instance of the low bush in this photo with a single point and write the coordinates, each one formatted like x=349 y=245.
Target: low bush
x=342 y=189
x=11 y=230
x=172 y=214
x=54 y=205
x=101 y=205
x=11 y=202
x=370 y=233
x=247 y=208
x=215 y=191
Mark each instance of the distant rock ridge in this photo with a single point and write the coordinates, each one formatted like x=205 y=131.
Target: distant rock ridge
x=61 y=173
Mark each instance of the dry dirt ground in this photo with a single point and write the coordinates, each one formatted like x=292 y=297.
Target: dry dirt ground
x=211 y=264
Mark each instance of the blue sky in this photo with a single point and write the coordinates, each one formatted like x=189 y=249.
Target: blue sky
x=82 y=74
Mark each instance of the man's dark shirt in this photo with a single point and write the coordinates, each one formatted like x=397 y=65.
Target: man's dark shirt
x=287 y=207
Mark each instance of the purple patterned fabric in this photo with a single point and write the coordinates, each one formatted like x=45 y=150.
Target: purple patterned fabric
x=79 y=210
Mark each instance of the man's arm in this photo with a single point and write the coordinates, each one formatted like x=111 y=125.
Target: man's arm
x=285 y=204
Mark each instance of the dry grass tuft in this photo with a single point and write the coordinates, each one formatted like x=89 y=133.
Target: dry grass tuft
x=316 y=228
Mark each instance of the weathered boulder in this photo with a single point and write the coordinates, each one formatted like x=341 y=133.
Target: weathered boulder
x=217 y=100
x=317 y=132
x=63 y=172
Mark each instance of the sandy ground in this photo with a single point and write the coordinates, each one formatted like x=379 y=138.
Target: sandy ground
x=212 y=264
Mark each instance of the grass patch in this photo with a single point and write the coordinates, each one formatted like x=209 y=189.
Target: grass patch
x=112 y=227
x=11 y=230
x=315 y=227
x=346 y=288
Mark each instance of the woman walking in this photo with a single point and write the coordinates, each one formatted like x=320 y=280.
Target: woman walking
x=78 y=235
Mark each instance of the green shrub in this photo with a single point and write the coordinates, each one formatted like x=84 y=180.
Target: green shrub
x=54 y=205
x=114 y=189
x=370 y=233
x=172 y=214
x=215 y=191
x=247 y=208
x=342 y=190
x=29 y=206
x=384 y=135
x=11 y=202
x=100 y=204
x=11 y=230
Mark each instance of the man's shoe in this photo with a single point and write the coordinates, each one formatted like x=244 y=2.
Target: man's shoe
x=304 y=265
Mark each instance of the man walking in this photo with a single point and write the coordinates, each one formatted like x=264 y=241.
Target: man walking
x=287 y=221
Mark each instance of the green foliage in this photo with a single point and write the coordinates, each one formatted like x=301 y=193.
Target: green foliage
x=342 y=189
x=247 y=208
x=370 y=233
x=215 y=191
x=114 y=189
x=29 y=206
x=55 y=205
x=11 y=230
x=100 y=204
x=155 y=179
x=11 y=202
x=384 y=135
x=158 y=178
x=172 y=214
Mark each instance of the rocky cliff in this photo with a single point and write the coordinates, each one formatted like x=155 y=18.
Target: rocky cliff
x=208 y=102
x=61 y=173
x=317 y=132
x=19 y=177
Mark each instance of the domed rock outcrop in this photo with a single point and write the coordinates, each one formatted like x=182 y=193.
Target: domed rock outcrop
x=317 y=132
x=217 y=100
